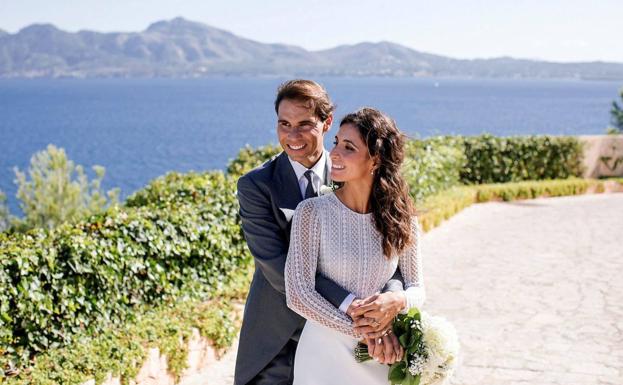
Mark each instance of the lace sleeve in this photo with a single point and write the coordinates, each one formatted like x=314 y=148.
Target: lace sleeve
x=411 y=267
x=300 y=272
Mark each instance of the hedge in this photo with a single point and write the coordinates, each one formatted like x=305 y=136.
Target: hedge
x=491 y=159
x=435 y=209
x=80 y=278
x=249 y=158
x=435 y=164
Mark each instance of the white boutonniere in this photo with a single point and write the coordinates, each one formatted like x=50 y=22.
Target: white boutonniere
x=324 y=190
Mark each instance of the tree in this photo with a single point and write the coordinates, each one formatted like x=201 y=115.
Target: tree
x=616 y=114
x=5 y=218
x=59 y=191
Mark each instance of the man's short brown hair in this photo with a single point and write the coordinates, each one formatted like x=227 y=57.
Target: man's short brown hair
x=308 y=92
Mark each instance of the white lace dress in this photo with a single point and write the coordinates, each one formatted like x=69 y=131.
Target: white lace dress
x=344 y=246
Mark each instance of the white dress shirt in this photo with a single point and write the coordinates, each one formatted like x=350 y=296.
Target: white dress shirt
x=318 y=173
x=318 y=179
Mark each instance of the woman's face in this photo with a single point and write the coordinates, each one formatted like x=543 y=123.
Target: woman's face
x=349 y=157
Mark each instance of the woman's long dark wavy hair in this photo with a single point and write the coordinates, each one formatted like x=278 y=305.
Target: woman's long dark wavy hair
x=392 y=207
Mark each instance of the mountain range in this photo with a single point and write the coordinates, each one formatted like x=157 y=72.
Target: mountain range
x=183 y=48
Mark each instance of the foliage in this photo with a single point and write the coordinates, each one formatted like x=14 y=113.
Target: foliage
x=531 y=190
x=437 y=208
x=493 y=159
x=433 y=165
x=5 y=217
x=58 y=191
x=121 y=350
x=249 y=158
x=78 y=278
x=616 y=114
x=442 y=206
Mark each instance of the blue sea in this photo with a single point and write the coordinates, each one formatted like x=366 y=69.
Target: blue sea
x=141 y=129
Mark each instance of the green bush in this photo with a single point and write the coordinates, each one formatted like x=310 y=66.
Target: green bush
x=5 y=216
x=439 y=207
x=531 y=189
x=75 y=278
x=249 y=158
x=59 y=191
x=616 y=114
x=491 y=159
x=433 y=165
x=121 y=350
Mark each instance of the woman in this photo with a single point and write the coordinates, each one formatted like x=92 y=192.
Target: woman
x=356 y=236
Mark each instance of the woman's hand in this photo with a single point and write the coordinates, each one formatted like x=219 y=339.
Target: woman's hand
x=375 y=314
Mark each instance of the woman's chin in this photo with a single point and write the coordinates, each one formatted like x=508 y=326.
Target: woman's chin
x=336 y=177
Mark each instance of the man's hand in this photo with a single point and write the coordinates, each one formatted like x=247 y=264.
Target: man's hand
x=353 y=305
x=386 y=350
x=375 y=314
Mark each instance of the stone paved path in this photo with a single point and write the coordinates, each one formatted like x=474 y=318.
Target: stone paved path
x=535 y=289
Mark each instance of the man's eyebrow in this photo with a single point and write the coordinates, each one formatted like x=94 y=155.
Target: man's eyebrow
x=302 y=121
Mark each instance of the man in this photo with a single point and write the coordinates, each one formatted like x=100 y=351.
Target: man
x=268 y=196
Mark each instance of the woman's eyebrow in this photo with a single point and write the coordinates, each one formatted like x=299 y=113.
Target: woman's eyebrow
x=351 y=142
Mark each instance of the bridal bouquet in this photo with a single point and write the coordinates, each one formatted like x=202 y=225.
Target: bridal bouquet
x=431 y=350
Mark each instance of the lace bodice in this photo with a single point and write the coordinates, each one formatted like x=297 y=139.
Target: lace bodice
x=344 y=246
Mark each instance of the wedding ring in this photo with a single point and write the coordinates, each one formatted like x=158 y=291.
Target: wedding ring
x=379 y=341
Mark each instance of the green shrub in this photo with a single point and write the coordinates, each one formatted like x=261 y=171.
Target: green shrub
x=433 y=165
x=57 y=283
x=531 y=190
x=442 y=206
x=121 y=350
x=249 y=158
x=493 y=159
x=616 y=114
x=59 y=191
x=439 y=207
x=5 y=217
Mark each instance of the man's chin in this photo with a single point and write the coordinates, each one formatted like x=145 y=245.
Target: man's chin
x=297 y=156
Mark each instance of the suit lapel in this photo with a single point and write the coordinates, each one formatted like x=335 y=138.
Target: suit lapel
x=287 y=194
x=286 y=190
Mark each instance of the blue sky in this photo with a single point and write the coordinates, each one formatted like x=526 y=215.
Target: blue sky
x=556 y=30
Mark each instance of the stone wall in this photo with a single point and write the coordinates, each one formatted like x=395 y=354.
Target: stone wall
x=603 y=155
x=201 y=356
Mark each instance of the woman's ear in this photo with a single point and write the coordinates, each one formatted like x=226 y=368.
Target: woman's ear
x=375 y=164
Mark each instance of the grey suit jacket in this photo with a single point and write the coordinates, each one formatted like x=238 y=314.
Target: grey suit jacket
x=268 y=195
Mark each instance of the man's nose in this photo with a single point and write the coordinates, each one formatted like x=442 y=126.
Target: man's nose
x=295 y=134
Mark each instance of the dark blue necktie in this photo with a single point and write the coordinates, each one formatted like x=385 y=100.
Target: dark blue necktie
x=309 y=191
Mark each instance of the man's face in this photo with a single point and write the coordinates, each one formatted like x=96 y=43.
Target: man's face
x=301 y=132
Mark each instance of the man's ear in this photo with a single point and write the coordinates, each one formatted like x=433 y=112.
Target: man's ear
x=327 y=124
